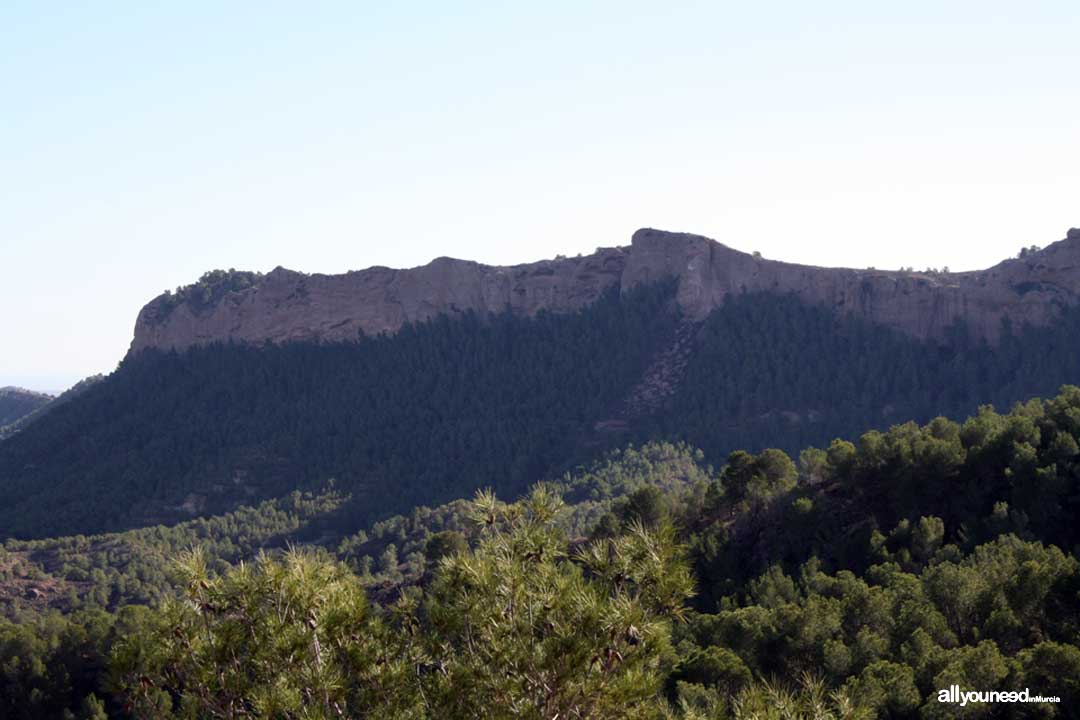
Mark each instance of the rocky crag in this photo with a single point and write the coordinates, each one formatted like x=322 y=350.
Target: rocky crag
x=285 y=305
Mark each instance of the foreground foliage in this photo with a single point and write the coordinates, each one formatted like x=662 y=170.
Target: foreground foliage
x=514 y=628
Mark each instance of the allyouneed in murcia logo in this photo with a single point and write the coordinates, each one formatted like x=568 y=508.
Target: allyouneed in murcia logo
x=953 y=694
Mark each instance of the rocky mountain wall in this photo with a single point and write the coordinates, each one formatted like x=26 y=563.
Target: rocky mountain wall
x=285 y=305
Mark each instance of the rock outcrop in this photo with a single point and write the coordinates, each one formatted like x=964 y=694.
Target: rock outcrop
x=285 y=305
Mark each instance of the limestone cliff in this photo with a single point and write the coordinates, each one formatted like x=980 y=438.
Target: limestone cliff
x=285 y=305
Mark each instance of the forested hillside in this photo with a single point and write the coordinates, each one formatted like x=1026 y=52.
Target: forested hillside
x=67 y=396
x=768 y=370
x=423 y=416
x=886 y=568
x=112 y=570
x=16 y=403
x=447 y=406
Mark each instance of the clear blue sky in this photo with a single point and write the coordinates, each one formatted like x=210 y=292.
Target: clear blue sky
x=142 y=143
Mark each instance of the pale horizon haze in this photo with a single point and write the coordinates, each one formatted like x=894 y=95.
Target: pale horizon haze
x=142 y=144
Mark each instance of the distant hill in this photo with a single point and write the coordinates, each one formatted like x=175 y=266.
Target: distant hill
x=10 y=428
x=18 y=402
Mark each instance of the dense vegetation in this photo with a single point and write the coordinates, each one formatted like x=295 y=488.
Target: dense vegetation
x=106 y=572
x=854 y=582
x=769 y=370
x=513 y=628
x=16 y=403
x=50 y=403
x=211 y=287
x=424 y=416
x=450 y=405
x=112 y=570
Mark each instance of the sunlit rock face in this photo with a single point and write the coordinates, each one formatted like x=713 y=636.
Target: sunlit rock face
x=285 y=305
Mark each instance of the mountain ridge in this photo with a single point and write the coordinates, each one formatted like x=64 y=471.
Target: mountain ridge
x=16 y=403
x=46 y=403
x=285 y=305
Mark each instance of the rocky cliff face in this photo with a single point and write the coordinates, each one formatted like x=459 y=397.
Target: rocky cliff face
x=284 y=305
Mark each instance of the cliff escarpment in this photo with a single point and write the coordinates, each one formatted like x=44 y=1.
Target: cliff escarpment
x=284 y=305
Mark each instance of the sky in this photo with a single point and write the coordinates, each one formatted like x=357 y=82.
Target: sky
x=143 y=143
